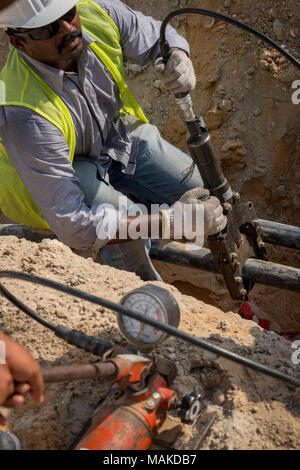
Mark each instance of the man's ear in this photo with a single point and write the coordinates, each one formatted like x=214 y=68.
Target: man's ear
x=18 y=43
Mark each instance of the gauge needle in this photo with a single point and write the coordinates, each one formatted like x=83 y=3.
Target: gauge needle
x=143 y=325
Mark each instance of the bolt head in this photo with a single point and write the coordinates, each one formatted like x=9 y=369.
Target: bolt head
x=150 y=404
x=156 y=395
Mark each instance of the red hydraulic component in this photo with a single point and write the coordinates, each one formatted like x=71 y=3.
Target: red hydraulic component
x=142 y=406
x=132 y=370
x=131 y=423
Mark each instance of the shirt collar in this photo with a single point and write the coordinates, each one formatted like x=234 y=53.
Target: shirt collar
x=51 y=75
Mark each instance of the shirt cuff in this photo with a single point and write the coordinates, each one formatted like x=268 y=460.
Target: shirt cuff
x=177 y=41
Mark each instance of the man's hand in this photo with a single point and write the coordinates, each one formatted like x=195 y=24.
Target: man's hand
x=178 y=73
x=194 y=204
x=214 y=219
x=18 y=376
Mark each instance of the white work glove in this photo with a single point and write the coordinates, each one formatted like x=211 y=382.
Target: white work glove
x=195 y=216
x=177 y=75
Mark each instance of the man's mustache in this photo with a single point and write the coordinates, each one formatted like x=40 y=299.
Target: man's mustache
x=69 y=38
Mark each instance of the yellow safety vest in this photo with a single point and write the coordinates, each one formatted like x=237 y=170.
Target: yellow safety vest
x=23 y=87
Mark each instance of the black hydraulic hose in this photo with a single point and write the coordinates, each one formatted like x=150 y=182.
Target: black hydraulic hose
x=89 y=343
x=156 y=324
x=228 y=19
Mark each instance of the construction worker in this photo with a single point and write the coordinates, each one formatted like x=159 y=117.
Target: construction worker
x=77 y=154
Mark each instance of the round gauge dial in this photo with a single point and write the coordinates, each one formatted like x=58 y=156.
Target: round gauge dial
x=152 y=302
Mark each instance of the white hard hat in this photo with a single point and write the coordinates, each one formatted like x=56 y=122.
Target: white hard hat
x=34 y=13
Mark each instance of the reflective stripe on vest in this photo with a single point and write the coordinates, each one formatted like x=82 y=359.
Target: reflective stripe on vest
x=23 y=87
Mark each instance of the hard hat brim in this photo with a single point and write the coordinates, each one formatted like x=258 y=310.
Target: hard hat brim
x=14 y=16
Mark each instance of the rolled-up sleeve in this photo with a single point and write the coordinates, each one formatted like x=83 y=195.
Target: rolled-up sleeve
x=40 y=155
x=139 y=34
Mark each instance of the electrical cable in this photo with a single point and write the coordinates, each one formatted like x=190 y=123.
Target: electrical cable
x=165 y=46
x=137 y=316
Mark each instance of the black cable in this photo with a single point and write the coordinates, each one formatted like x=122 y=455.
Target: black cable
x=166 y=328
x=228 y=19
x=89 y=343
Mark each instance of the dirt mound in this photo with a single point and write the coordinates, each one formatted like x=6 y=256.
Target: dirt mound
x=253 y=410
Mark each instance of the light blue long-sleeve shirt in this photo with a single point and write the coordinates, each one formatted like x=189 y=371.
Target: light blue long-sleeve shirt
x=38 y=150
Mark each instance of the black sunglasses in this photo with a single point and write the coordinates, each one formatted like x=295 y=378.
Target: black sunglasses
x=45 y=32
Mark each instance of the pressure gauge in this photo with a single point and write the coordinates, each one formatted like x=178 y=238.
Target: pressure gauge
x=155 y=303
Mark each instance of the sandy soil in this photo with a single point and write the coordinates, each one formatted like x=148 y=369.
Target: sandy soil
x=253 y=411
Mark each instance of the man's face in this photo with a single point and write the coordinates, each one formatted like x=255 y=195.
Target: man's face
x=66 y=46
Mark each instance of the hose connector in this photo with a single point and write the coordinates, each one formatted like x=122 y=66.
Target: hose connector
x=185 y=105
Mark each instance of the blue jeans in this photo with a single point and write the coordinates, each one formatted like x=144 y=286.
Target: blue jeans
x=160 y=169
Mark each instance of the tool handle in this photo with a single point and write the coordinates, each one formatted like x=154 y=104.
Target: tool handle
x=78 y=372
x=200 y=145
x=166 y=52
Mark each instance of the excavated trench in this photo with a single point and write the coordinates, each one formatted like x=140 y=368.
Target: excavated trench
x=244 y=91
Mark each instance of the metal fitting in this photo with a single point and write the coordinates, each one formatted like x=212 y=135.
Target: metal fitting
x=190 y=407
x=243 y=292
x=150 y=405
x=185 y=105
